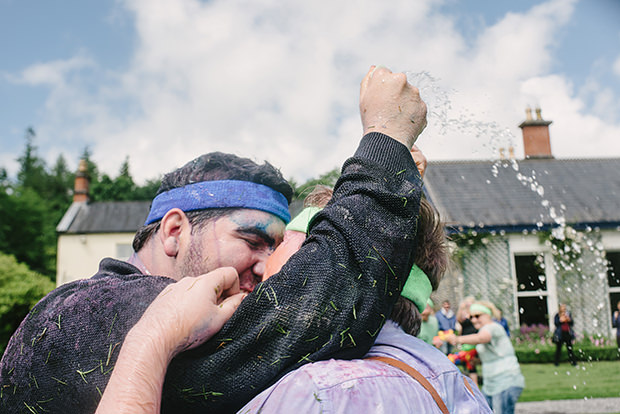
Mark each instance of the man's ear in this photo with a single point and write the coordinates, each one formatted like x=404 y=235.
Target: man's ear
x=173 y=226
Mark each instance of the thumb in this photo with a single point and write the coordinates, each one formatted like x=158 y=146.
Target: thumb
x=229 y=305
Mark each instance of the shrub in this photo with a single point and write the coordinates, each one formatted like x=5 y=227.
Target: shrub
x=533 y=344
x=20 y=289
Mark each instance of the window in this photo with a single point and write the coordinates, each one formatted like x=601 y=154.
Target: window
x=613 y=278
x=531 y=290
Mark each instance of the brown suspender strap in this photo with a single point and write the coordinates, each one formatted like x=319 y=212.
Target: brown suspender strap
x=468 y=386
x=418 y=377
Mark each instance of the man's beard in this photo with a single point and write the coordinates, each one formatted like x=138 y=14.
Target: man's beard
x=195 y=264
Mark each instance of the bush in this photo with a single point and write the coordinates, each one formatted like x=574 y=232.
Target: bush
x=20 y=289
x=546 y=354
x=533 y=344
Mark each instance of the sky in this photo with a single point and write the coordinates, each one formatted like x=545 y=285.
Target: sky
x=162 y=82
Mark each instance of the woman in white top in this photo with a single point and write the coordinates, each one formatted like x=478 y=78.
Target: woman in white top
x=502 y=378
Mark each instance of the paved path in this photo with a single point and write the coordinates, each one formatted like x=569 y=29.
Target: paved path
x=590 y=406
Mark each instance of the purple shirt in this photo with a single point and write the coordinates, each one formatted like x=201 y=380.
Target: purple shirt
x=365 y=386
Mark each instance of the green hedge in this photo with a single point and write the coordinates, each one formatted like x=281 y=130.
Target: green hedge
x=20 y=290
x=546 y=353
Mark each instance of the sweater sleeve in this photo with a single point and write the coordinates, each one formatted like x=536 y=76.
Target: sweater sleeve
x=328 y=301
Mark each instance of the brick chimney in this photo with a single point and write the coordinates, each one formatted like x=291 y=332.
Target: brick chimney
x=536 y=141
x=82 y=183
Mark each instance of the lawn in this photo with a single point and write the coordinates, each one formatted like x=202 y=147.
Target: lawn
x=587 y=380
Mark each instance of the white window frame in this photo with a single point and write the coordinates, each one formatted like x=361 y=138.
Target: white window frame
x=528 y=244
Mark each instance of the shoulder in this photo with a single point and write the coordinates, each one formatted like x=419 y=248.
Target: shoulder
x=74 y=325
x=494 y=328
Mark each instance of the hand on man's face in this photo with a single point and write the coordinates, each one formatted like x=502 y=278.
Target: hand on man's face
x=192 y=310
x=243 y=239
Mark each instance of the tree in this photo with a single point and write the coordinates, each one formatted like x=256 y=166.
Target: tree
x=30 y=209
x=328 y=179
x=60 y=184
x=122 y=188
x=20 y=290
x=27 y=230
x=32 y=173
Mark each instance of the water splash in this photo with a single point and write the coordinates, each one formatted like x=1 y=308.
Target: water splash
x=566 y=244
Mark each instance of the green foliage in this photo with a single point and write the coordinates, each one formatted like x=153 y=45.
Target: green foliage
x=20 y=290
x=32 y=173
x=588 y=380
x=27 y=229
x=329 y=179
x=542 y=350
x=544 y=354
x=121 y=188
x=468 y=242
x=34 y=203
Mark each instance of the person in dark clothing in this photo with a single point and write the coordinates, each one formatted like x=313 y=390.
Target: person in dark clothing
x=616 y=324
x=563 y=334
x=447 y=322
x=467 y=328
x=357 y=255
x=502 y=321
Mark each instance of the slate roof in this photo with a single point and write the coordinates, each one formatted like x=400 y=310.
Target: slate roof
x=526 y=194
x=104 y=217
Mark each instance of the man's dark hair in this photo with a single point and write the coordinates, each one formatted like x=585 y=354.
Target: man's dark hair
x=432 y=257
x=212 y=167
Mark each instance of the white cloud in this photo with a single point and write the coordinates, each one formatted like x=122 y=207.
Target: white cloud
x=574 y=133
x=51 y=73
x=279 y=81
x=616 y=67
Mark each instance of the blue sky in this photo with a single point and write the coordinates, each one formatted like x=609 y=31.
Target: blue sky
x=163 y=82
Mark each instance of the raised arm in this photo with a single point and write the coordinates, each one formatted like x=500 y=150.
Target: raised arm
x=332 y=297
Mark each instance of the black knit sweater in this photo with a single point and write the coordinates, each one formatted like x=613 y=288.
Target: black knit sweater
x=328 y=301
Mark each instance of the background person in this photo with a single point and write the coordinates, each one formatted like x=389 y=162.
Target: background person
x=502 y=321
x=446 y=318
x=464 y=326
x=503 y=382
x=563 y=334
x=429 y=326
x=616 y=324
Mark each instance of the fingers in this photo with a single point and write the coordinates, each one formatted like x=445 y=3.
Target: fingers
x=420 y=159
x=226 y=280
x=364 y=84
x=379 y=70
x=229 y=306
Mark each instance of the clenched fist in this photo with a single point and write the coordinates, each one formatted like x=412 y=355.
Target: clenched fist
x=392 y=106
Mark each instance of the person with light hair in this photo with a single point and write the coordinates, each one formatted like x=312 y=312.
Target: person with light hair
x=503 y=381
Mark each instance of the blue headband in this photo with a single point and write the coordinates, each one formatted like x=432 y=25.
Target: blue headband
x=220 y=194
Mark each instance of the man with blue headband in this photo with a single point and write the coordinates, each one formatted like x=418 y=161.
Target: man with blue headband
x=326 y=302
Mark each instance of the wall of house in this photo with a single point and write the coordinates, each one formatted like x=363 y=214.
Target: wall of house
x=79 y=254
x=488 y=271
x=487 y=275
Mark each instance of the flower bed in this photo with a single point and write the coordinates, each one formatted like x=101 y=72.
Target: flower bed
x=533 y=345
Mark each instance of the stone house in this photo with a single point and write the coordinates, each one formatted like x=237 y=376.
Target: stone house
x=533 y=233
x=90 y=231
